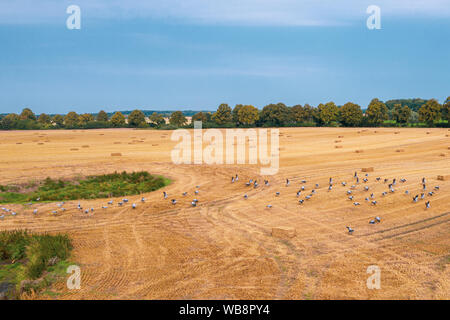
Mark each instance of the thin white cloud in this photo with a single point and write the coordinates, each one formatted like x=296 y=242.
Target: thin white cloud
x=222 y=12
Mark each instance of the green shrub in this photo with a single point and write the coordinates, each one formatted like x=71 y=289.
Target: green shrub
x=41 y=249
x=13 y=244
x=93 y=187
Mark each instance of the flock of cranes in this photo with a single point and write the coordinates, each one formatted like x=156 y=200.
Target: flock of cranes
x=254 y=183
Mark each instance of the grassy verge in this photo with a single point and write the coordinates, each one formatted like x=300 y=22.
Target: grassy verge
x=32 y=261
x=92 y=187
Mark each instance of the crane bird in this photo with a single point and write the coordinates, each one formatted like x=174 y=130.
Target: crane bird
x=350 y=230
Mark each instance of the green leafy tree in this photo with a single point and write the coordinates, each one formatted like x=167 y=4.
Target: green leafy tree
x=376 y=112
x=200 y=116
x=404 y=115
x=275 y=114
x=27 y=114
x=58 y=120
x=178 y=119
x=135 y=118
x=157 y=119
x=102 y=116
x=71 y=119
x=118 y=120
x=44 y=118
x=235 y=112
x=298 y=113
x=327 y=113
x=222 y=115
x=10 y=121
x=446 y=110
x=413 y=104
x=430 y=112
x=351 y=114
x=307 y=114
x=84 y=118
x=248 y=115
x=396 y=111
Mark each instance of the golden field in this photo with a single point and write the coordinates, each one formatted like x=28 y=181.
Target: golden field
x=224 y=248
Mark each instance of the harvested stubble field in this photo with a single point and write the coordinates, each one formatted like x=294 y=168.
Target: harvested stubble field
x=224 y=248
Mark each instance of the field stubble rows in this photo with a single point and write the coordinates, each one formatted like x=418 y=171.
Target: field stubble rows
x=223 y=249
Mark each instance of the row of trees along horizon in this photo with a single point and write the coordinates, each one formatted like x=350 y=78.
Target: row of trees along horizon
x=401 y=113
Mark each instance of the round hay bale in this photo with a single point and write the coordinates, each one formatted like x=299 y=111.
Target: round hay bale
x=85 y=146
x=18 y=142
x=397 y=132
x=338 y=147
x=340 y=136
x=74 y=149
x=428 y=132
x=442 y=155
x=337 y=141
x=368 y=169
x=359 y=151
x=116 y=154
x=443 y=177
x=117 y=142
x=40 y=143
x=284 y=232
x=399 y=150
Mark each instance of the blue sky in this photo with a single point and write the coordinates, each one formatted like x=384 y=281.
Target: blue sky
x=196 y=54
